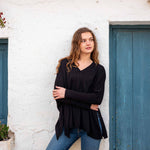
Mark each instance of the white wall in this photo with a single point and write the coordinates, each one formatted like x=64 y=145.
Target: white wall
x=39 y=33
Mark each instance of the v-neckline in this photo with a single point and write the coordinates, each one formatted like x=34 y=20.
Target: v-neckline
x=85 y=67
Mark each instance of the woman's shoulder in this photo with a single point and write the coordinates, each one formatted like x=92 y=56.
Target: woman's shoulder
x=63 y=61
x=100 y=69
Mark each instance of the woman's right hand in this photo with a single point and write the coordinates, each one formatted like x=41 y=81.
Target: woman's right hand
x=94 y=107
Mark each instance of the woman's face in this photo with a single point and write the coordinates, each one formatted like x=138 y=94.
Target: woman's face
x=87 y=43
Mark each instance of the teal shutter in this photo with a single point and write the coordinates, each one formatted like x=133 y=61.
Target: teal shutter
x=3 y=80
x=129 y=87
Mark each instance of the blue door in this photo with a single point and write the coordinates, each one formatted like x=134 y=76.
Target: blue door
x=3 y=79
x=129 y=87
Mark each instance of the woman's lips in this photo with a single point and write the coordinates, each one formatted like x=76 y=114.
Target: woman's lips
x=88 y=48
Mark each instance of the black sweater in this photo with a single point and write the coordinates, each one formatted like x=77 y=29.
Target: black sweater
x=83 y=88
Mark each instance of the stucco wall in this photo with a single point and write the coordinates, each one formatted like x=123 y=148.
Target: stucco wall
x=39 y=33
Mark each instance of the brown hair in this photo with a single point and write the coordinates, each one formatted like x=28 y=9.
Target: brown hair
x=75 y=50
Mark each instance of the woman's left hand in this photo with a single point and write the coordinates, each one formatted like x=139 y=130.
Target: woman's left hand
x=94 y=107
x=59 y=92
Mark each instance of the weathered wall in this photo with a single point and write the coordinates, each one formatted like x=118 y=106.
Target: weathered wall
x=39 y=33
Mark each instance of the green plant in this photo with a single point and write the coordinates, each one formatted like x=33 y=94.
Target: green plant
x=3 y=132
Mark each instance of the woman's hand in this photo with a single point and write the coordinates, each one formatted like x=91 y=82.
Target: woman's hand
x=59 y=92
x=94 y=107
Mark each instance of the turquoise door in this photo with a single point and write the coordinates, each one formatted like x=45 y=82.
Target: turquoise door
x=3 y=79
x=129 y=87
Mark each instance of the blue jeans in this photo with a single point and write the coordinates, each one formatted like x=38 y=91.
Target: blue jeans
x=64 y=143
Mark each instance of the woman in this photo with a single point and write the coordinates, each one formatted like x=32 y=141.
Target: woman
x=78 y=90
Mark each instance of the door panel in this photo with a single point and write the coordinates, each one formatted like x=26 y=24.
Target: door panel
x=141 y=90
x=124 y=91
x=129 y=88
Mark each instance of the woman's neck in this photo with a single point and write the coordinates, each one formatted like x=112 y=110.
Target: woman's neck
x=85 y=58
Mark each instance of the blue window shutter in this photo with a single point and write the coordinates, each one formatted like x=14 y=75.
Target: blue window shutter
x=3 y=80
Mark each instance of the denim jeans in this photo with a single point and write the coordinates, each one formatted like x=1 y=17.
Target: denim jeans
x=64 y=143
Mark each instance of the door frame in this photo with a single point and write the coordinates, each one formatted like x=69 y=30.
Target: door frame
x=112 y=76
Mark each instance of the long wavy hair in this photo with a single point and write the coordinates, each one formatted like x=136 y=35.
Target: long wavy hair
x=75 y=50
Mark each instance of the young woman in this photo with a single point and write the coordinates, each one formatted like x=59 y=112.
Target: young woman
x=78 y=90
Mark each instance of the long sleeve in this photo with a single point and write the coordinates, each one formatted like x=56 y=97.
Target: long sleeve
x=60 y=81
x=91 y=98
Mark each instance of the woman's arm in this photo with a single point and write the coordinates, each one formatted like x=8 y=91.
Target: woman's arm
x=60 y=92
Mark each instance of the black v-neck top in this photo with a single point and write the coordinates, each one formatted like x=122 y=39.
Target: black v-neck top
x=83 y=88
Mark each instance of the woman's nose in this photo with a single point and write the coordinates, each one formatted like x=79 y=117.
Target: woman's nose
x=88 y=42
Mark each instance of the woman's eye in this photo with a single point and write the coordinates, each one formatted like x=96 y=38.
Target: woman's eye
x=91 y=39
x=83 y=41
